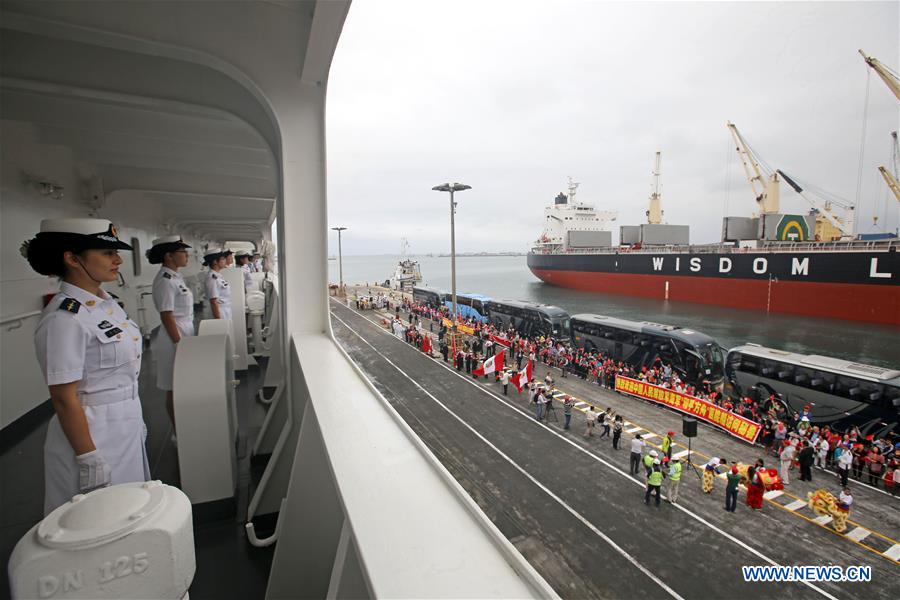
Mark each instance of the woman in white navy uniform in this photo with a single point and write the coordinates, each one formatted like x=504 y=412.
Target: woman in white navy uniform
x=218 y=292
x=175 y=304
x=90 y=354
x=243 y=261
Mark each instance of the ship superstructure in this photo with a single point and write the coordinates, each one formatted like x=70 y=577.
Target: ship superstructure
x=571 y=223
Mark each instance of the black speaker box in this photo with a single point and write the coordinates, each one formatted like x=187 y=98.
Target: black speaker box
x=689 y=426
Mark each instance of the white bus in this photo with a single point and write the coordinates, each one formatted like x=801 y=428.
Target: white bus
x=840 y=393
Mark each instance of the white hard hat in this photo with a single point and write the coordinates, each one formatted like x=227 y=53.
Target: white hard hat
x=653 y=453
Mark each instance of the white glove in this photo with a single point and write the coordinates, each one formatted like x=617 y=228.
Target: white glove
x=93 y=471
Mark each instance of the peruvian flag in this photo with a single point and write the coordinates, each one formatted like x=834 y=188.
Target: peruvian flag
x=494 y=363
x=521 y=379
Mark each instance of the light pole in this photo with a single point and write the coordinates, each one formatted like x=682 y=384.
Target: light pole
x=456 y=187
x=340 y=260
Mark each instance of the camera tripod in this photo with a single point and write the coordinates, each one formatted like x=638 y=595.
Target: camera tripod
x=691 y=463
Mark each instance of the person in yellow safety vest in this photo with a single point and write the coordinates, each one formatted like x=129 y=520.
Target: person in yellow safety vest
x=654 y=481
x=674 y=479
x=667 y=444
x=648 y=461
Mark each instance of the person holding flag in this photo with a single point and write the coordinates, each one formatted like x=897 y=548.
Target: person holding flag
x=491 y=365
x=521 y=378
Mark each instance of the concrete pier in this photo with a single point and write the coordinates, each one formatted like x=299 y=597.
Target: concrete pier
x=571 y=507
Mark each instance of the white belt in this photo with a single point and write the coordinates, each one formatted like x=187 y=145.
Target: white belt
x=109 y=396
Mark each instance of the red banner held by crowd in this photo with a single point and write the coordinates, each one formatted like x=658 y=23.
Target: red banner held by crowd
x=736 y=425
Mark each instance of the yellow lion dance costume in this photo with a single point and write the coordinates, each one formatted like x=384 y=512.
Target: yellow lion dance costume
x=823 y=503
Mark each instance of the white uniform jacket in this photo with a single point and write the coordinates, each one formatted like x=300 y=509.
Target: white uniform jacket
x=90 y=339
x=248 y=279
x=218 y=288
x=170 y=294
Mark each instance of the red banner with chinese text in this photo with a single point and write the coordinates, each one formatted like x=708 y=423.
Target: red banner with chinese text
x=736 y=425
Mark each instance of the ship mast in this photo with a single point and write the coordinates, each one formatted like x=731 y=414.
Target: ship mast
x=573 y=187
x=766 y=189
x=655 y=212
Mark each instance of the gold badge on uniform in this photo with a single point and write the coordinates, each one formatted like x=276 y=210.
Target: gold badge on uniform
x=91 y=302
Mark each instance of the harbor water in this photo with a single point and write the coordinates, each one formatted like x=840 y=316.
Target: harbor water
x=508 y=277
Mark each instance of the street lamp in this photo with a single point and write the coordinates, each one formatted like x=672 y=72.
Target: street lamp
x=340 y=260
x=456 y=187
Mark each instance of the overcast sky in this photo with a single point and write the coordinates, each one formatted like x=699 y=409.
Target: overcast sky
x=513 y=97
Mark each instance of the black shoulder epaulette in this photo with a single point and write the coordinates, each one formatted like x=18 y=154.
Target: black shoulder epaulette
x=70 y=304
x=214 y=276
x=167 y=276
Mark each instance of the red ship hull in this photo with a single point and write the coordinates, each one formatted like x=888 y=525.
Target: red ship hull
x=855 y=302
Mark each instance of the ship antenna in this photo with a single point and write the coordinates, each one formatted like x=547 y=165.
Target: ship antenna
x=573 y=187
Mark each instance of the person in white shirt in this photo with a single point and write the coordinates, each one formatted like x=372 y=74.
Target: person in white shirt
x=787 y=459
x=243 y=261
x=175 y=304
x=637 y=449
x=844 y=463
x=845 y=500
x=89 y=352
x=822 y=454
x=218 y=292
x=590 y=417
x=504 y=380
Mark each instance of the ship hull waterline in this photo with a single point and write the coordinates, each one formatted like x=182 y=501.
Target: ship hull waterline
x=833 y=300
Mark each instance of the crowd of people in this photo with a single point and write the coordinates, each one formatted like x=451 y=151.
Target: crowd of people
x=790 y=439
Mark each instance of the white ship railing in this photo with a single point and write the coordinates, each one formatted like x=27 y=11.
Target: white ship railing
x=369 y=511
x=766 y=248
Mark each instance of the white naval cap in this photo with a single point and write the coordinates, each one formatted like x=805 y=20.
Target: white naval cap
x=83 y=233
x=161 y=246
x=168 y=239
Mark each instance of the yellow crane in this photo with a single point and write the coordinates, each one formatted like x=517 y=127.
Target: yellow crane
x=891 y=80
x=889 y=177
x=766 y=187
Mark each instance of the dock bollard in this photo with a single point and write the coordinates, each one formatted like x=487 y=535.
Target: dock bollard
x=132 y=540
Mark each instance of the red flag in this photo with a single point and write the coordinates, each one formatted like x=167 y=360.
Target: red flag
x=494 y=363
x=521 y=379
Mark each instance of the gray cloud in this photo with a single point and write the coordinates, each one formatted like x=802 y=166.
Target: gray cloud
x=513 y=97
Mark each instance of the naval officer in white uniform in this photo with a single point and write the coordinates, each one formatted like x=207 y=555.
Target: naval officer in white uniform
x=243 y=261
x=175 y=303
x=218 y=292
x=90 y=354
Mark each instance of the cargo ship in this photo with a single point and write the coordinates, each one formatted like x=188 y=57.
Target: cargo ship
x=772 y=262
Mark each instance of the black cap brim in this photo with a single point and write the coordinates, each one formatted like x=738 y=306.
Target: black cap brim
x=77 y=242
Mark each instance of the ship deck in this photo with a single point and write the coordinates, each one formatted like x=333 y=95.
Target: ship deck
x=570 y=506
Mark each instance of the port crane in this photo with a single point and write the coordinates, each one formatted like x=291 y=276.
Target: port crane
x=891 y=178
x=887 y=75
x=765 y=184
x=655 y=212
x=766 y=189
x=893 y=83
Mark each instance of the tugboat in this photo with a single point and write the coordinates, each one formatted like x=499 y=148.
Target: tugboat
x=407 y=274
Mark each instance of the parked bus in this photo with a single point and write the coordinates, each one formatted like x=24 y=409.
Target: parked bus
x=840 y=393
x=468 y=305
x=530 y=319
x=694 y=356
x=431 y=297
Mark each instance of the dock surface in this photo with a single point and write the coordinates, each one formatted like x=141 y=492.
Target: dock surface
x=570 y=506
